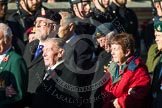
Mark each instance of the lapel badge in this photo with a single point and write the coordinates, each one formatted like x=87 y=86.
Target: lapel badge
x=160 y=19
x=159 y=28
x=98 y=35
x=43 y=12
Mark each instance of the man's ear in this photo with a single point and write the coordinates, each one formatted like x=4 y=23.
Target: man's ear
x=61 y=53
x=8 y=41
x=71 y=26
x=74 y=7
x=54 y=27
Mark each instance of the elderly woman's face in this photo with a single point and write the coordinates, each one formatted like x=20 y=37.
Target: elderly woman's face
x=118 y=54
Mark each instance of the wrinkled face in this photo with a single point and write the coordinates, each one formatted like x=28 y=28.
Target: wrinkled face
x=158 y=39
x=121 y=2
x=64 y=30
x=33 y=5
x=43 y=28
x=82 y=10
x=50 y=53
x=104 y=43
x=4 y=45
x=117 y=53
x=3 y=10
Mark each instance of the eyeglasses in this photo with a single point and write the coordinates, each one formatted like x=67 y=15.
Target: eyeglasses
x=41 y=23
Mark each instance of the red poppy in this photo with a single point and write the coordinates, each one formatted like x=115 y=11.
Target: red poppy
x=6 y=58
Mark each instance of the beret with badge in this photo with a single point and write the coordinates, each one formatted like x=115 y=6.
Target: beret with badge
x=158 y=23
x=49 y=14
x=30 y=30
x=104 y=30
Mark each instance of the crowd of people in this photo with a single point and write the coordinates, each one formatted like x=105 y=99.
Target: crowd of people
x=78 y=58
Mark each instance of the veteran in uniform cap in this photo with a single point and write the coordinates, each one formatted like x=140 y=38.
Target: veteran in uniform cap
x=3 y=10
x=102 y=36
x=103 y=33
x=154 y=64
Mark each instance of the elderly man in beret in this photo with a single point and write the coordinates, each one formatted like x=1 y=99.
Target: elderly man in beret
x=103 y=33
x=102 y=36
x=46 y=25
x=154 y=64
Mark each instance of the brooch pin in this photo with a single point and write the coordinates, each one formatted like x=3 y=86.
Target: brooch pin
x=6 y=58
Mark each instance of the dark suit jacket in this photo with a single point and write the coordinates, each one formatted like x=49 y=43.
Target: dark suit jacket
x=100 y=78
x=80 y=59
x=56 y=92
x=36 y=66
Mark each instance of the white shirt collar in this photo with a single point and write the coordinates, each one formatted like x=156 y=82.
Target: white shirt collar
x=54 y=66
x=74 y=35
x=51 y=69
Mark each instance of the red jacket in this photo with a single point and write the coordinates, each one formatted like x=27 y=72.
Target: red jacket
x=133 y=76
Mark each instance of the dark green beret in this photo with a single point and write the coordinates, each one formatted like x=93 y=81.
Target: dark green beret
x=158 y=23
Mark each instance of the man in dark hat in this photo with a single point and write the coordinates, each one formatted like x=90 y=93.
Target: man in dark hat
x=46 y=25
x=21 y=20
x=3 y=10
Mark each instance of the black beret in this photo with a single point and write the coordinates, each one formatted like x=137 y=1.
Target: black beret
x=49 y=14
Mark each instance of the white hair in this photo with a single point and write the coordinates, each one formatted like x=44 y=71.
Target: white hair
x=6 y=30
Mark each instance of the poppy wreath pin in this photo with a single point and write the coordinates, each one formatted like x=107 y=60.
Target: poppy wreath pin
x=6 y=58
